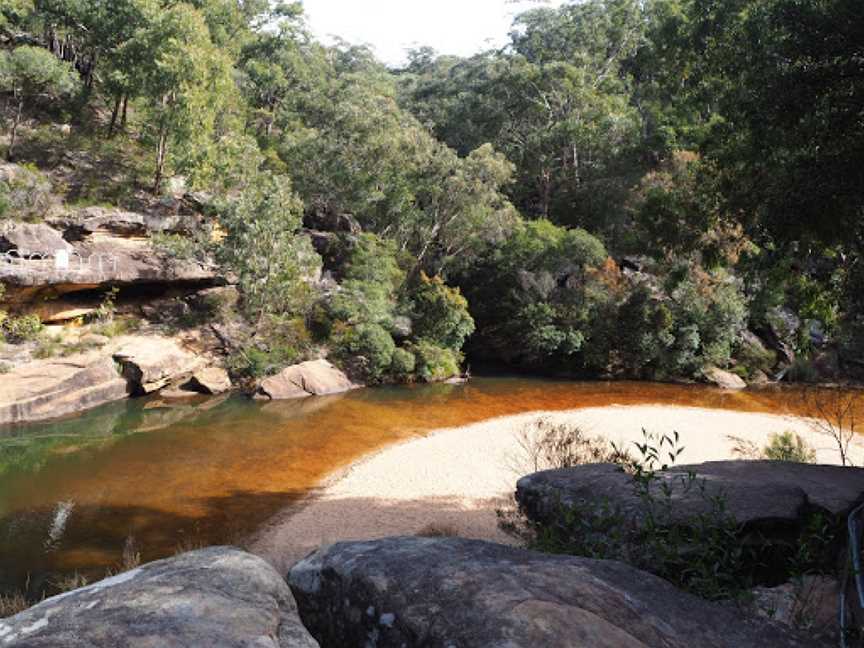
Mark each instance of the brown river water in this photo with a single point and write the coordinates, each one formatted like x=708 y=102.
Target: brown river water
x=154 y=476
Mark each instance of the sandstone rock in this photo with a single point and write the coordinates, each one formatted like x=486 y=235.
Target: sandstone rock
x=810 y=602
x=756 y=493
x=313 y=378
x=97 y=258
x=215 y=597
x=29 y=239
x=454 y=592
x=51 y=388
x=213 y=381
x=723 y=379
x=151 y=363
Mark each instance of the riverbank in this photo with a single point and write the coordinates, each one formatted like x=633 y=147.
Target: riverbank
x=452 y=480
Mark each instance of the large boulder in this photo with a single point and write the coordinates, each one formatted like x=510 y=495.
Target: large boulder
x=756 y=494
x=313 y=378
x=51 y=388
x=211 y=381
x=405 y=592
x=723 y=379
x=29 y=239
x=150 y=363
x=215 y=597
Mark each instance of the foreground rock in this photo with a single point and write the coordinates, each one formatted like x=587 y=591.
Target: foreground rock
x=313 y=378
x=216 y=597
x=50 y=388
x=150 y=363
x=757 y=494
x=406 y=592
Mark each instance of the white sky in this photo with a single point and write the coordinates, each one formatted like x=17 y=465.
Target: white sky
x=461 y=27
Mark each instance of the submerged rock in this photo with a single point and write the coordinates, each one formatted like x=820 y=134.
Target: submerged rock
x=405 y=592
x=51 y=388
x=313 y=378
x=215 y=597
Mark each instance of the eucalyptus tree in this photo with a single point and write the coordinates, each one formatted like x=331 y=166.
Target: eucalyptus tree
x=29 y=73
x=185 y=80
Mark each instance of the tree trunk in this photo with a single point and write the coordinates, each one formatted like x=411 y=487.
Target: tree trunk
x=160 y=159
x=545 y=192
x=114 y=114
x=125 y=109
x=13 y=135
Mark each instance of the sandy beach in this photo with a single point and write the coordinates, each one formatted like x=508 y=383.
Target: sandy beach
x=455 y=479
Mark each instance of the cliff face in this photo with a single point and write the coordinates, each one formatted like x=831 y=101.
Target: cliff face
x=59 y=269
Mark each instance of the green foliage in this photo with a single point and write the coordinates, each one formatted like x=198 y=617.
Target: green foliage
x=441 y=313
x=25 y=194
x=789 y=446
x=17 y=330
x=370 y=347
x=28 y=72
x=435 y=363
x=403 y=364
x=274 y=265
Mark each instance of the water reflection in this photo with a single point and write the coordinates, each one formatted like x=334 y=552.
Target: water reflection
x=204 y=471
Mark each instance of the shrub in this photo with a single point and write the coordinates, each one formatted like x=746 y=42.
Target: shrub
x=789 y=446
x=403 y=363
x=25 y=194
x=547 y=445
x=435 y=363
x=21 y=329
x=371 y=346
x=441 y=313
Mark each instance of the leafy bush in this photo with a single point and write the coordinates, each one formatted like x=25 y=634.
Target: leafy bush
x=370 y=347
x=403 y=363
x=25 y=194
x=789 y=446
x=441 y=313
x=21 y=329
x=435 y=363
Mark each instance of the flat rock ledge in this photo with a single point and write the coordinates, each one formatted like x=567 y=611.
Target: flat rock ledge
x=407 y=592
x=215 y=597
x=757 y=494
x=51 y=388
x=313 y=378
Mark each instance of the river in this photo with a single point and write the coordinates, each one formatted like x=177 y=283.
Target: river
x=153 y=476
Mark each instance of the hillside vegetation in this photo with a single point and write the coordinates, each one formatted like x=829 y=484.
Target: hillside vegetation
x=627 y=189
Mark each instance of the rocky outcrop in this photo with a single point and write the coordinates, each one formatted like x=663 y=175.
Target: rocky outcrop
x=51 y=388
x=215 y=597
x=89 y=252
x=755 y=493
x=211 y=381
x=723 y=379
x=313 y=378
x=151 y=363
x=404 y=592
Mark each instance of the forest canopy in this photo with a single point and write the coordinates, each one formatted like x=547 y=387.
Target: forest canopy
x=629 y=187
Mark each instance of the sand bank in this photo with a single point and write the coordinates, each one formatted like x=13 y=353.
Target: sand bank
x=455 y=479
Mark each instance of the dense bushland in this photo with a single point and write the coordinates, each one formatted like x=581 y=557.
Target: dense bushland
x=628 y=188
